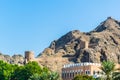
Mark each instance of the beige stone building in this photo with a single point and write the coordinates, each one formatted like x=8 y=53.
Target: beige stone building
x=69 y=71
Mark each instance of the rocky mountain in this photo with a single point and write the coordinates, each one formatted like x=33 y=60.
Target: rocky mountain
x=15 y=59
x=102 y=43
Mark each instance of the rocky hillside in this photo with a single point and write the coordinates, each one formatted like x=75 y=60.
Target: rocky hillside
x=102 y=43
x=15 y=59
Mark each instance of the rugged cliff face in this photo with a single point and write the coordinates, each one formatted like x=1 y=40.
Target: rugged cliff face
x=15 y=59
x=102 y=43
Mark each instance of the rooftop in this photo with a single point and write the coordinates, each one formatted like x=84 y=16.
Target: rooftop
x=81 y=64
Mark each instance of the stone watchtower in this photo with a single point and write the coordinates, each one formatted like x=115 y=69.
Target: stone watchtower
x=29 y=56
x=83 y=44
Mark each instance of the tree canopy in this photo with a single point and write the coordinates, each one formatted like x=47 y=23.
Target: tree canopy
x=109 y=69
x=83 y=77
x=30 y=71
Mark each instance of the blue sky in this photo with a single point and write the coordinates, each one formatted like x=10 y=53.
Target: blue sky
x=34 y=24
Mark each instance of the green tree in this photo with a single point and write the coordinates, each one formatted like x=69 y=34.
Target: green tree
x=18 y=73
x=49 y=75
x=24 y=72
x=6 y=70
x=30 y=71
x=99 y=78
x=83 y=77
x=116 y=76
x=45 y=76
x=34 y=77
x=54 y=76
x=31 y=68
x=108 y=68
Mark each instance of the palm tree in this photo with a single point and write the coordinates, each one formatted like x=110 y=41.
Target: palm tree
x=116 y=76
x=108 y=68
x=54 y=76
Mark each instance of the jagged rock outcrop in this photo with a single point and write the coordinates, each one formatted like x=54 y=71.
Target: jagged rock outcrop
x=15 y=59
x=102 y=43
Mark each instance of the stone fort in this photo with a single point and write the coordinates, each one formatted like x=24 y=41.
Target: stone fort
x=29 y=55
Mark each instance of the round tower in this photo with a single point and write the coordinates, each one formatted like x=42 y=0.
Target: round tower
x=29 y=56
